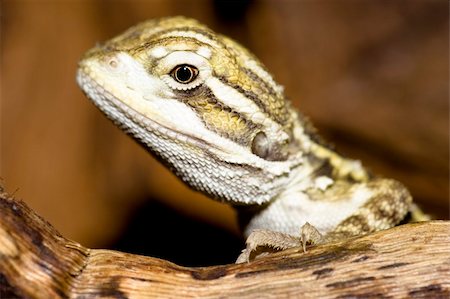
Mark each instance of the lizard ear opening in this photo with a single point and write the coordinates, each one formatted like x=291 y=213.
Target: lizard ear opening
x=267 y=150
x=260 y=145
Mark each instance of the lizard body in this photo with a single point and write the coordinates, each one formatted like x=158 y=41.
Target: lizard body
x=209 y=110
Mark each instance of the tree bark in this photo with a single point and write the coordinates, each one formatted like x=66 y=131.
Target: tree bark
x=36 y=261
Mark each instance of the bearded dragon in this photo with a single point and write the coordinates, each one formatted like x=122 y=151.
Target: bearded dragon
x=210 y=111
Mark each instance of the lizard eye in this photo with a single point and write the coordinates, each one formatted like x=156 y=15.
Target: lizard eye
x=260 y=145
x=184 y=73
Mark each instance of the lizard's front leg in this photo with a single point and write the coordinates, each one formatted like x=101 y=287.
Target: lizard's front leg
x=385 y=203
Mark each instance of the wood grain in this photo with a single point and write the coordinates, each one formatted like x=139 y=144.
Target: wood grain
x=412 y=260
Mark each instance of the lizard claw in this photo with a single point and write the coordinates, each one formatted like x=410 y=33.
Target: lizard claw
x=309 y=235
x=244 y=257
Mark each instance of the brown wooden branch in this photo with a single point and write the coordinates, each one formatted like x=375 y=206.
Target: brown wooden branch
x=407 y=261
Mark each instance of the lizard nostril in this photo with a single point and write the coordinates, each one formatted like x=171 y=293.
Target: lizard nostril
x=112 y=62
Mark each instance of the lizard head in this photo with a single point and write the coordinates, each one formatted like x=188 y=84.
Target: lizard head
x=202 y=104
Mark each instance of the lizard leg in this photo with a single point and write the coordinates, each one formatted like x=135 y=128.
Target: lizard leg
x=388 y=203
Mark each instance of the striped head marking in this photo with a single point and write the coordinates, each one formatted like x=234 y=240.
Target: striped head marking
x=201 y=103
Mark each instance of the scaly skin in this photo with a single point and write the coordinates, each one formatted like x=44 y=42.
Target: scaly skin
x=211 y=112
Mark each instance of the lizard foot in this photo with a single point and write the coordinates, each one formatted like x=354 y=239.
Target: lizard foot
x=262 y=242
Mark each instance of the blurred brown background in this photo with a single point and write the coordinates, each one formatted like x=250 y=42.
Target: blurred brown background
x=372 y=75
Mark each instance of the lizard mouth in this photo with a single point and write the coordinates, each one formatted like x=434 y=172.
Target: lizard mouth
x=133 y=122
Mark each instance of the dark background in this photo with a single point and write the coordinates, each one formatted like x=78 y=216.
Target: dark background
x=372 y=75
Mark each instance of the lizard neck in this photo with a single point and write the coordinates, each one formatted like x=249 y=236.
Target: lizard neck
x=314 y=173
x=304 y=197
